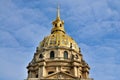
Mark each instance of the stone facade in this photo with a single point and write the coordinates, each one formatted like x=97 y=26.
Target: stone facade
x=58 y=57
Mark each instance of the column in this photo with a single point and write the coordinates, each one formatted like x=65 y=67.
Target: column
x=75 y=71
x=57 y=69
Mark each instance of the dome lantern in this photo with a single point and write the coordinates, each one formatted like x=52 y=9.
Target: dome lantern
x=58 y=24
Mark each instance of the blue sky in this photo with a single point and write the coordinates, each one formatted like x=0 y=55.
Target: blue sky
x=94 y=25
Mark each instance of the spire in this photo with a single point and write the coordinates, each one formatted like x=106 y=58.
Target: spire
x=58 y=12
x=58 y=24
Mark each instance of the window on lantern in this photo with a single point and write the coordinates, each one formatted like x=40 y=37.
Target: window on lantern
x=65 y=55
x=60 y=25
x=55 y=25
x=52 y=55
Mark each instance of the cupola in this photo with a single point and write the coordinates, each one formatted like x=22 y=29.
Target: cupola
x=58 y=24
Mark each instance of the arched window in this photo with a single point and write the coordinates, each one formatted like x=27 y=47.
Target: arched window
x=65 y=55
x=52 y=55
x=40 y=56
x=55 y=25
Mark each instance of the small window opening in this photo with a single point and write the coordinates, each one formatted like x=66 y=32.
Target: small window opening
x=60 y=25
x=50 y=72
x=36 y=75
x=52 y=35
x=41 y=56
x=80 y=76
x=55 y=25
x=70 y=45
x=76 y=56
x=67 y=72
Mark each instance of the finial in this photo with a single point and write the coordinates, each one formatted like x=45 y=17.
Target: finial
x=58 y=11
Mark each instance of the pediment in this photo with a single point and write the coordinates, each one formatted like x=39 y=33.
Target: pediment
x=60 y=75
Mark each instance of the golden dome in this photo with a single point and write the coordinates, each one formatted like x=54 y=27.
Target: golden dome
x=58 y=37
